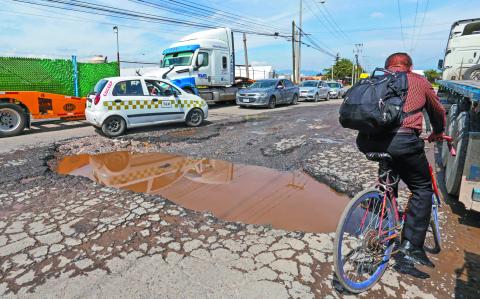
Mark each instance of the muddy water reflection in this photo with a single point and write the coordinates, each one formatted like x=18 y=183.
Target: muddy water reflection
x=235 y=192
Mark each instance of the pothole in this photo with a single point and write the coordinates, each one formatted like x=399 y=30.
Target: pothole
x=233 y=192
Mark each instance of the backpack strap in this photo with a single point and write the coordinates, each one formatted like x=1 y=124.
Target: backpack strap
x=407 y=114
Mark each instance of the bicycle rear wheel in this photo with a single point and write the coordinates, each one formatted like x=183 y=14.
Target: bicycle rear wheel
x=433 y=240
x=361 y=253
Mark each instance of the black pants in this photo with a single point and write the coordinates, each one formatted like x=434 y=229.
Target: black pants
x=410 y=162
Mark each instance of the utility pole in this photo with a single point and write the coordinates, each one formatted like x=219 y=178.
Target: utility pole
x=294 y=71
x=299 y=53
x=356 y=67
x=115 y=30
x=246 y=53
x=337 y=58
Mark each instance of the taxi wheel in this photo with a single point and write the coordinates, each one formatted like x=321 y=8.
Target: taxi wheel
x=194 y=117
x=114 y=126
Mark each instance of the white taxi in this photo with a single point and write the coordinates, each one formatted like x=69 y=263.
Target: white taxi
x=119 y=103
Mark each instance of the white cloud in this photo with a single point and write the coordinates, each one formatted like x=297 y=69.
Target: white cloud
x=377 y=15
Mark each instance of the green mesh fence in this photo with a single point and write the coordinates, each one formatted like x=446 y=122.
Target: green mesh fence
x=47 y=75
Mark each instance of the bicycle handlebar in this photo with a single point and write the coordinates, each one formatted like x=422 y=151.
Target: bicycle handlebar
x=449 y=141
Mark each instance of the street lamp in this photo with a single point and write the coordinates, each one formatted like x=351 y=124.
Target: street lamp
x=115 y=30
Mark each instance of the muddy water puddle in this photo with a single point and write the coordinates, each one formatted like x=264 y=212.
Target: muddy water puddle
x=233 y=192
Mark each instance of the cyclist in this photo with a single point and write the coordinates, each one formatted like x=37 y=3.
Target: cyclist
x=407 y=151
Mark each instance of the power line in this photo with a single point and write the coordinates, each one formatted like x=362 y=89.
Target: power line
x=324 y=21
x=422 y=23
x=401 y=23
x=335 y=24
x=204 y=13
x=86 y=7
x=414 y=27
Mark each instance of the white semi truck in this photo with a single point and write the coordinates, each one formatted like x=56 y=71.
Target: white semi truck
x=202 y=63
x=460 y=89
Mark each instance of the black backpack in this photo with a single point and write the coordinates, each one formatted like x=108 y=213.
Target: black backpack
x=375 y=105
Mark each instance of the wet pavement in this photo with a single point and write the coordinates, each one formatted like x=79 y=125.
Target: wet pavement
x=234 y=192
x=67 y=236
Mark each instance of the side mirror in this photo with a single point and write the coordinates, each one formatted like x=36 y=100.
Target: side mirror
x=280 y=87
x=440 y=64
x=199 y=60
x=161 y=62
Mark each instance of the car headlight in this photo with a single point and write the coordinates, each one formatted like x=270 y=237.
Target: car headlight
x=311 y=91
x=262 y=94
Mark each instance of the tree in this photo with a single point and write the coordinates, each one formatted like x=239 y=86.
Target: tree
x=431 y=75
x=342 y=69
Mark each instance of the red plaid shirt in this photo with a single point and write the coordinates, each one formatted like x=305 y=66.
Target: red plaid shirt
x=421 y=95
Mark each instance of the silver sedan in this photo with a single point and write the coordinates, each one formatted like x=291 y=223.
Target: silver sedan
x=268 y=93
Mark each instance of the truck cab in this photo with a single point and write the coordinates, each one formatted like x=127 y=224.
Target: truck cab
x=202 y=63
x=462 y=54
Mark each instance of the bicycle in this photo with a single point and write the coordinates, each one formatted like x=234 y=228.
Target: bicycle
x=371 y=224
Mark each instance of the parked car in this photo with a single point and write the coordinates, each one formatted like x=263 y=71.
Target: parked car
x=314 y=90
x=336 y=89
x=120 y=103
x=268 y=93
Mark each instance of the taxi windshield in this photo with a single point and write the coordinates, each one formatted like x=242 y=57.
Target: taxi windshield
x=177 y=59
x=309 y=84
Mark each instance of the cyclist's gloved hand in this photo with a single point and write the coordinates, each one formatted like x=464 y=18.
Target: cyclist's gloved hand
x=435 y=137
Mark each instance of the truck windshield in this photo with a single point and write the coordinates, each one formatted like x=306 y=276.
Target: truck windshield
x=177 y=59
x=309 y=84
x=334 y=85
x=264 y=84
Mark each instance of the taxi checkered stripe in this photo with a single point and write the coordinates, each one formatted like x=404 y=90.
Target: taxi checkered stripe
x=147 y=104
x=148 y=172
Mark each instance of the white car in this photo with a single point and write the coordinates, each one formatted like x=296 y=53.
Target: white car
x=120 y=103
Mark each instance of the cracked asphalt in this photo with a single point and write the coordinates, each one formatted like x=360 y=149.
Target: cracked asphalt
x=66 y=236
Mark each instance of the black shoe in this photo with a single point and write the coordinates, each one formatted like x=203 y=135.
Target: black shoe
x=415 y=254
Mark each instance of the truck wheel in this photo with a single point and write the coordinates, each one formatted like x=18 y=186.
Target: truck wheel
x=450 y=131
x=472 y=73
x=454 y=169
x=12 y=120
x=194 y=117
x=272 y=102
x=114 y=126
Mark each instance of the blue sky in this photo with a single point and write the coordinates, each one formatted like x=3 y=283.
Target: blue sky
x=32 y=31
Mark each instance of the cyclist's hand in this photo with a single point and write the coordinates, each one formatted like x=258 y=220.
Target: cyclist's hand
x=435 y=137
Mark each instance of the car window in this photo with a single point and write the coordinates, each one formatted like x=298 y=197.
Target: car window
x=224 y=62
x=288 y=83
x=159 y=88
x=263 y=84
x=280 y=83
x=99 y=86
x=128 y=88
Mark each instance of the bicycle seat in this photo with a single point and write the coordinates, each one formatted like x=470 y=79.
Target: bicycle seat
x=379 y=157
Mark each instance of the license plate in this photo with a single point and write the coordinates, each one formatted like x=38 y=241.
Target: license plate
x=246 y=100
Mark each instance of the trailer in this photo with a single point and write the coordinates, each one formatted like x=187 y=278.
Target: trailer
x=462 y=172
x=19 y=108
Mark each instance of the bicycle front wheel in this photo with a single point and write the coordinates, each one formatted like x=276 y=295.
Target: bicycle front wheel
x=433 y=240
x=364 y=240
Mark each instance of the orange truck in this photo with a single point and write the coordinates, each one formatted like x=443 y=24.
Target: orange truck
x=19 y=108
